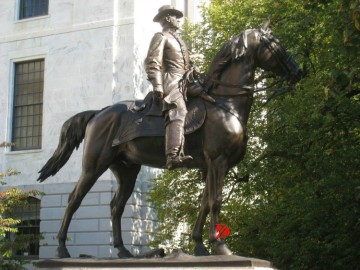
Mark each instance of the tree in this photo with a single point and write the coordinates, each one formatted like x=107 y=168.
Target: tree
x=295 y=198
x=9 y=200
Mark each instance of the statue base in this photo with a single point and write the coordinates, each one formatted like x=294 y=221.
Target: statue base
x=173 y=261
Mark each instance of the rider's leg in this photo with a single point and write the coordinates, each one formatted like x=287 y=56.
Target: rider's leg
x=174 y=139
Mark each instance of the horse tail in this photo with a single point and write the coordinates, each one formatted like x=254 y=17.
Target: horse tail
x=72 y=134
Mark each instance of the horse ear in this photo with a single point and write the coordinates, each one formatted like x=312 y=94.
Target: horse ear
x=265 y=25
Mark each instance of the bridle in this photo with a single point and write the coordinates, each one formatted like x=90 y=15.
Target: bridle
x=272 y=43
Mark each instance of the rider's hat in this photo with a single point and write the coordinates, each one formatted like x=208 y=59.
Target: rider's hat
x=167 y=10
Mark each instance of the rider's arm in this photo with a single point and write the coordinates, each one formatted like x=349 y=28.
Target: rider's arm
x=154 y=61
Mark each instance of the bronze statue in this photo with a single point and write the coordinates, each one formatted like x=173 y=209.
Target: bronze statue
x=166 y=63
x=216 y=142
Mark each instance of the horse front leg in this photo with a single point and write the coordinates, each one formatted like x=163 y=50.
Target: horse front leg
x=197 y=235
x=215 y=179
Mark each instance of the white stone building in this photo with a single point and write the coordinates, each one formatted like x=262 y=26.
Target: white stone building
x=57 y=58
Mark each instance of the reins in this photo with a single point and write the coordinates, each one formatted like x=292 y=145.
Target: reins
x=249 y=91
x=247 y=88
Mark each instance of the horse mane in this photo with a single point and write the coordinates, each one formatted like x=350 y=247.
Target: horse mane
x=232 y=50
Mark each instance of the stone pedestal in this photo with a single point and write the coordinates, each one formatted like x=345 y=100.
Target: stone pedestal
x=182 y=261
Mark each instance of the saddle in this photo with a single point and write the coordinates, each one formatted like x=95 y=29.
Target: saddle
x=144 y=118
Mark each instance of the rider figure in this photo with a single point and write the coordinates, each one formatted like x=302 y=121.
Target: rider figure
x=166 y=63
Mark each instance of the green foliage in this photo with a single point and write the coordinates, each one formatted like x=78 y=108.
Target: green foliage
x=174 y=212
x=295 y=199
x=10 y=199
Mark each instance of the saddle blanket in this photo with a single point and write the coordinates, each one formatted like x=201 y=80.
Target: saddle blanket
x=144 y=119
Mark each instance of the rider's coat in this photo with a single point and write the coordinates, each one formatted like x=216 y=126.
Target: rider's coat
x=166 y=63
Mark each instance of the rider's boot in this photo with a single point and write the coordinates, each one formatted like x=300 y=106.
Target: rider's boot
x=174 y=141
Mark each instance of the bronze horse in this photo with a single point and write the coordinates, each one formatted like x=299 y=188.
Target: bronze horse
x=216 y=146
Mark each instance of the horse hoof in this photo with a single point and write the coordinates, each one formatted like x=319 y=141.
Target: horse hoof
x=200 y=250
x=124 y=253
x=155 y=253
x=62 y=252
x=222 y=249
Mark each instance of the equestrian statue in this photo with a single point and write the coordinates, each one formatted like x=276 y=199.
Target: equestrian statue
x=209 y=125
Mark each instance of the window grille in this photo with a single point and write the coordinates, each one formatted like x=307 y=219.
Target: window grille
x=28 y=105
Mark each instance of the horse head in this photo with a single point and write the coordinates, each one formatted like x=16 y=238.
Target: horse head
x=235 y=63
x=272 y=56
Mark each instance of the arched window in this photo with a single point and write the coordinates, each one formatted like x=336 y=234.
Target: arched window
x=26 y=240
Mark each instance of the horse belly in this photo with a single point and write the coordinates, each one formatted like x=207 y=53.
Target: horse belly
x=150 y=151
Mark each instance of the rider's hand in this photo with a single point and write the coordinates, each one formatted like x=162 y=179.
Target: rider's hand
x=158 y=95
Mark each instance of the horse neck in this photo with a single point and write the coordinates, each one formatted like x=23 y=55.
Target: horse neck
x=240 y=73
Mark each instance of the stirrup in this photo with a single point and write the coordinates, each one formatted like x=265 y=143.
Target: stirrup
x=173 y=162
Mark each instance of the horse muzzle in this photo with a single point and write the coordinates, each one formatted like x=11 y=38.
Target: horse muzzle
x=295 y=77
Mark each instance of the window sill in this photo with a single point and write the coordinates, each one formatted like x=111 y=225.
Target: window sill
x=20 y=152
x=41 y=17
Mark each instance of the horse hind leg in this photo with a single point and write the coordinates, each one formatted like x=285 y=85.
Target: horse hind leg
x=97 y=156
x=86 y=181
x=126 y=178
